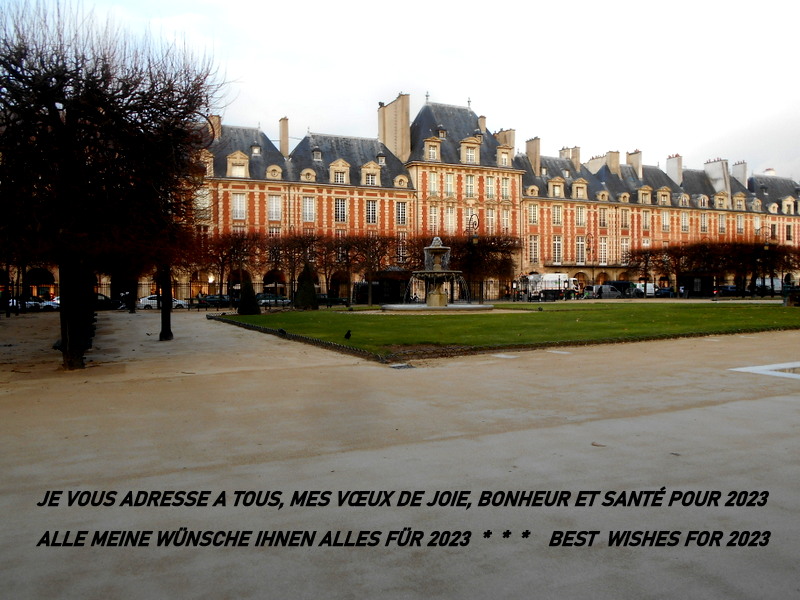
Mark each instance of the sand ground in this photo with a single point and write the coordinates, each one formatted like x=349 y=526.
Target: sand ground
x=222 y=409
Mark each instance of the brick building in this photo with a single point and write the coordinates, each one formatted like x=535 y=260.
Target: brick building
x=445 y=173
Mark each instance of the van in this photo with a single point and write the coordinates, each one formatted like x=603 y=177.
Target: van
x=606 y=292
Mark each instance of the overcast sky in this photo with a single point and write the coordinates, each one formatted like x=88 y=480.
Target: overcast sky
x=704 y=79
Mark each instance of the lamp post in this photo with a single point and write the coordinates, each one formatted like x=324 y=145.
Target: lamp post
x=589 y=242
x=471 y=231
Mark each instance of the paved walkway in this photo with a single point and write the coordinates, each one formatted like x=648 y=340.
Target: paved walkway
x=223 y=409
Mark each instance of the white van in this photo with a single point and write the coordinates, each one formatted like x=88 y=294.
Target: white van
x=606 y=292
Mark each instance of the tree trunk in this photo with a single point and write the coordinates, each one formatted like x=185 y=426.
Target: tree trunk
x=76 y=312
x=165 y=283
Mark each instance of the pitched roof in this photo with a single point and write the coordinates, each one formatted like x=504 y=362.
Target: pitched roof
x=459 y=123
x=243 y=139
x=354 y=150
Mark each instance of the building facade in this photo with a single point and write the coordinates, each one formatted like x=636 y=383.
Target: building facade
x=445 y=173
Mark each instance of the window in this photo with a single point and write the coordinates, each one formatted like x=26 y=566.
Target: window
x=504 y=159
x=469 y=186
x=274 y=231
x=506 y=221
x=238 y=206
x=433 y=219
x=450 y=219
x=602 y=251
x=645 y=242
x=489 y=187
x=504 y=188
x=645 y=220
x=381 y=160
x=557 y=190
x=432 y=152
x=580 y=216
x=788 y=233
x=309 y=209
x=372 y=212
x=773 y=231
x=238 y=170
x=625 y=249
x=602 y=217
x=338 y=177
x=316 y=155
x=739 y=204
x=721 y=224
x=470 y=155
x=533 y=214
x=370 y=179
x=448 y=184
x=402 y=247
x=625 y=218
x=739 y=223
x=433 y=184
x=580 y=250
x=400 y=213
x=533 y=249
x=340 y=210
x=274 y=208
x=557 y=218
x=663 y=199
x=580 y=191
x=664 y=221
x=685 y=222
x=490 y=222
x=556 y=249
x=703 y=222
x=703 y=202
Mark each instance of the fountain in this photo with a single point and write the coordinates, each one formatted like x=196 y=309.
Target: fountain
x=436 y=278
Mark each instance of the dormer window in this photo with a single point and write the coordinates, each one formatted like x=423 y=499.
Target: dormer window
x=274 y=172
x=382 y=159
x=370 y=179
x=470 y=155
x=703 y=202
x=316 y=154
x=432 y=152
x=340 y=172
x=544 y=171
x=442 y=132
x=255 y=150
x=238 y=165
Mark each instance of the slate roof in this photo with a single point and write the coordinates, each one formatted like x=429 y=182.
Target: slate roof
x=354 y=150
x=769 y=188
x=242 y=139
x=460 y=123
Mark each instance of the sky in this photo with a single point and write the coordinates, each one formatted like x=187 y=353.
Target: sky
x=705 y=79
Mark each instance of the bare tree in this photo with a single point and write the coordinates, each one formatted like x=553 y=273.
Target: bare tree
x=99 y=146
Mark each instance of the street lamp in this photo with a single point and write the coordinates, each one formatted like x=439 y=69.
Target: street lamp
x=471 y=231
x=589 y=241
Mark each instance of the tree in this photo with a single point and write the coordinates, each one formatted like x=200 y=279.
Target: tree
x=372 y=253
x=100 y=143
x=306 y=296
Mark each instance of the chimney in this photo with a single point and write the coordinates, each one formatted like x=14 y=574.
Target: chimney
x=394 y=126
x=675 y=168
x=284 y=135
x=482 y=124
x=575 y=155
x=215 y=126
x=533 y=151
x=612 y=160
x=740 y=172
x=634 y=159
x=506 y=137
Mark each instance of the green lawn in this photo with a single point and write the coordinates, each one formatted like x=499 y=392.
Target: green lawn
x=560 y=323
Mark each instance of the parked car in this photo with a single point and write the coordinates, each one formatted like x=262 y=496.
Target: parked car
x=328 y=300
x=215 y=300
x=150 y=302
x=665 y=292
x=266 y=299
x=31 y=303
x=103 y=302
x=726 y=290
x=54 y=304
x=606 y=292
